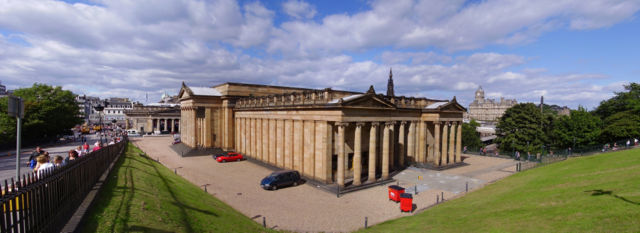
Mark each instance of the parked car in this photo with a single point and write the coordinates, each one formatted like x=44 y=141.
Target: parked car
x=228 y=156
x=280 y=179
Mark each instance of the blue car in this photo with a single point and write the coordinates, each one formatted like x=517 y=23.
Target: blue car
x=281 y=179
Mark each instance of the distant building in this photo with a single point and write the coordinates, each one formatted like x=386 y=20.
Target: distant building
x=163 y=116
x=3 y=90
x=482 y=109
x=114 y=110
x=86 y=109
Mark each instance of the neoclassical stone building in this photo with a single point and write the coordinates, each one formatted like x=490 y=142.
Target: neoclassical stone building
x=163 y=116
x=482 y=109
x=328 y=135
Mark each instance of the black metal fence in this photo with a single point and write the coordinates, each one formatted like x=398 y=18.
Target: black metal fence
x=45 y=202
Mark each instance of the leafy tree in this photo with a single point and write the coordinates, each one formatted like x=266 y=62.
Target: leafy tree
x=620 y=126
x=628 y=100
x=471 y=137
x=581 y=128
x=49 y=112
x=621 y=114
x=522 y=128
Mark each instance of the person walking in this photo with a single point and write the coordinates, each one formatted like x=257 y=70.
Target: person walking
x=32 y=158
x=628 y=143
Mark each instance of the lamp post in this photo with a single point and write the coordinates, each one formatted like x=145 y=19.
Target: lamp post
x=100 y=108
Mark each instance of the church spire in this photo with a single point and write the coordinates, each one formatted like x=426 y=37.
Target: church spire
x=390 y=84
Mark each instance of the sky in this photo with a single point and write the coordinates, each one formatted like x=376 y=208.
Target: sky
x=572 y=52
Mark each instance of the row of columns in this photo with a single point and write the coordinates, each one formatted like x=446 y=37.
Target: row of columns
x=439 y=147
x=169 y=124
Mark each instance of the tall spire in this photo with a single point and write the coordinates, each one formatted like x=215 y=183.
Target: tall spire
x=390 y=84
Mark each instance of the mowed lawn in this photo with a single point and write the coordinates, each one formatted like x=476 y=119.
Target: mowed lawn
x=144 y=196
x=599 y=193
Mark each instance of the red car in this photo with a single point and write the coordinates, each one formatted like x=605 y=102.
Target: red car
x=229 y=156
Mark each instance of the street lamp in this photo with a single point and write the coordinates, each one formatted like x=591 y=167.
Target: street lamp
x=100 y=108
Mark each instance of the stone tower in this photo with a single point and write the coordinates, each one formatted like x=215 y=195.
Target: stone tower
x=479 y=94
x=390 y=84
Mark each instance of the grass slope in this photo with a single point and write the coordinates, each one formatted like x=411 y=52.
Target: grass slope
x=599 y=193
x=144 y=196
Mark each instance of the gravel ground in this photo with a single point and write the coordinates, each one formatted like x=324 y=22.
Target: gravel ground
x=306 y=208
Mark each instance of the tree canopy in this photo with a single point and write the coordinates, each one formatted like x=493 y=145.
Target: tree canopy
x=581 y=128
x=471 y=137
x=522 y=128
x=49 y=112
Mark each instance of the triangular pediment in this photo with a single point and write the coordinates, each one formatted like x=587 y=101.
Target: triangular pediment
x=452 y=107
x=367 y=101
x=185 y=92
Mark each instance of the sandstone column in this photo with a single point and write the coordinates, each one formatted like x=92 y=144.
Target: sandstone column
x=411 y=142
x=401 y=144
x=340 y=168
x=458 y=141
x=385 y=150
x=422 y=146
x=392 y=145
x=357 y=154
x=445 y=140
x=452 y=134
x=436 y=143
x=431 y=158
x=372 y=151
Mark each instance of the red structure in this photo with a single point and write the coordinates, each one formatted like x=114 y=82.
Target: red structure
x=406 y=202
x=395 y=192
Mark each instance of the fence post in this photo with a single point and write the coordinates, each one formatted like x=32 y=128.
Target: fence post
x=467 y=187
x=365 y=222
x=264 y=222
x=437 y=199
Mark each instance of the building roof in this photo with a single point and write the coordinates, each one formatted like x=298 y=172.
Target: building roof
x=435 y=105
x=204 y=91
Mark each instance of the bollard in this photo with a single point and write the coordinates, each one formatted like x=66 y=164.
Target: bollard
x=205 y=189
x=365 y=222
x=338 y=192
x=467 y=187
x=264 y=222
x=415 y=189
x=442 y=193
x=437 y=199
x=175 y=170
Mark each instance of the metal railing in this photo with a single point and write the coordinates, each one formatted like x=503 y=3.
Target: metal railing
x=44 y=202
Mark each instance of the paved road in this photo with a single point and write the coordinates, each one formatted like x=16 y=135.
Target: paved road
x=8 y=163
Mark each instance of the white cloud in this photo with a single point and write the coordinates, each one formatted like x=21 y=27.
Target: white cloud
x=299 y=9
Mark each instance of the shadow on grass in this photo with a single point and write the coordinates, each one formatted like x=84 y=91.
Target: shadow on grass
x=183 y=207
x=146 y=229
x=600 y=192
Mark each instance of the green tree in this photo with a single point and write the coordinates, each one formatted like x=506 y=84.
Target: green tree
x=471 y=137
x=620 y=114
x=522 y=128
x=620 y=126
x=581 y=129
x=49 y=112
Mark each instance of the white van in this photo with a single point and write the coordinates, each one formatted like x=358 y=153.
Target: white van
x=133 y=133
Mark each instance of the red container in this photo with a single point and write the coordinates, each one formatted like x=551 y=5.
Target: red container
x=406 y=202
x=395 y=192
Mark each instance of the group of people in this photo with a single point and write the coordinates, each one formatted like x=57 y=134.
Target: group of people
x=40 y=160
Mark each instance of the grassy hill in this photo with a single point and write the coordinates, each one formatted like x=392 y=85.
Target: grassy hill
x=598 y=193
x=144 y=196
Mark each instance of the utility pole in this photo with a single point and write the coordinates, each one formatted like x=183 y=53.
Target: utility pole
x=16 y=109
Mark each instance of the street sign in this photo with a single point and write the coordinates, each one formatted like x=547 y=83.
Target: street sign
x=16 y=107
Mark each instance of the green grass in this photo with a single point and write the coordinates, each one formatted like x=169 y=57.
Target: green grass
x=144 y=196
x=598 y=193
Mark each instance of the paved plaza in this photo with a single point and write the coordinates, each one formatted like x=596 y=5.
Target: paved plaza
x=309 y=209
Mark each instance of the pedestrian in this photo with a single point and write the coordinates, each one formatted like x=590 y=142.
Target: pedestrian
x=464 y=150
x=85 y=147
x=628 y=143
x=569 y=152
x=96 y=147
x=57 y=161
x=528 y=155
x=635 y=141
x=73 y=155
x=517 y=155
x=32 y=158
x=43 y=165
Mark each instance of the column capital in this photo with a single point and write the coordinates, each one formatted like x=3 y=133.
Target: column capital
x=403 y=122
x=437 y=122
x=360 y=124
x=389 y=123
x=342 y=124
x=375 y=123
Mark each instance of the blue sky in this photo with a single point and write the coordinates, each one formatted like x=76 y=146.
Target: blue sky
x=573 y=52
